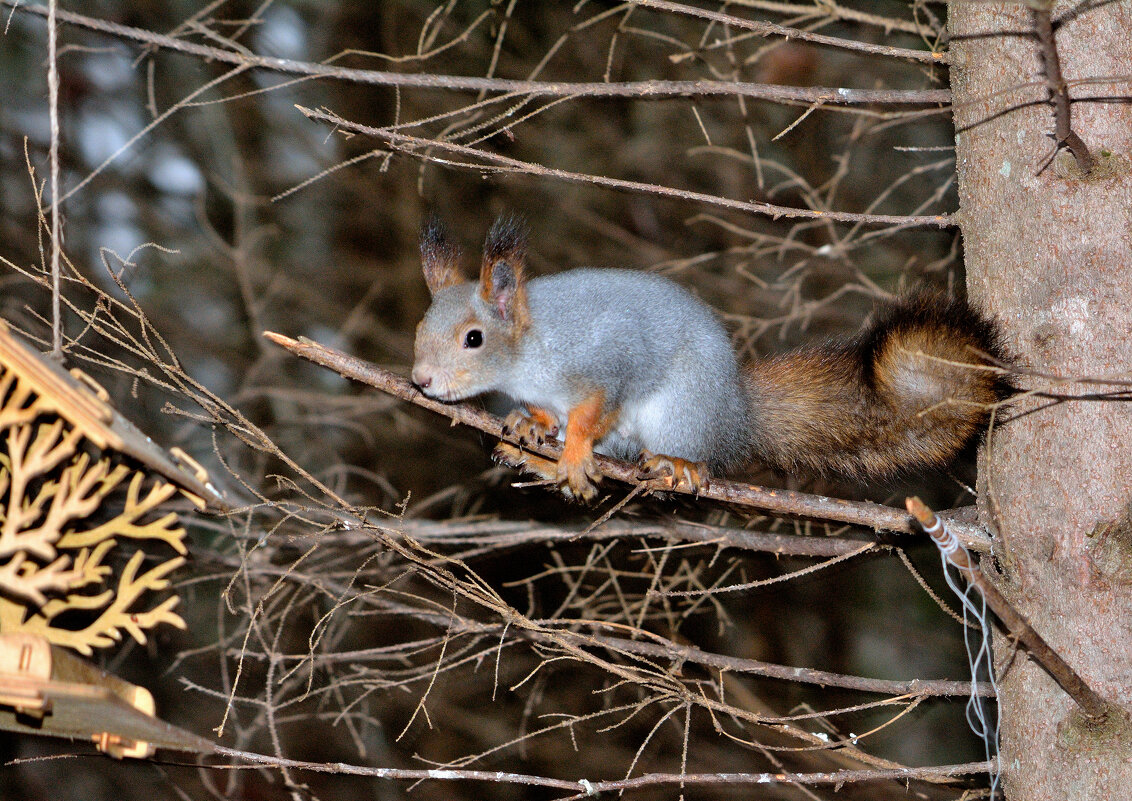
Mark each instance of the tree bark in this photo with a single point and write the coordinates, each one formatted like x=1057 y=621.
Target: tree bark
x=1049 y=254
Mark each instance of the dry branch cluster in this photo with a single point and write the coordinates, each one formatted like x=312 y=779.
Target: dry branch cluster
x=61 y=528
x=392 y=623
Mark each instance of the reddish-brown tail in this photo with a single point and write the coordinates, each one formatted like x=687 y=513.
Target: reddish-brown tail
x=909 y=393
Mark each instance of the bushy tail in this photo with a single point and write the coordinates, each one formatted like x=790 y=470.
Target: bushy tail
x=909 y=393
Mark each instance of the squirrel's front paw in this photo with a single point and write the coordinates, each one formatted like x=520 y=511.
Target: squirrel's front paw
x=670 y=472
x=536 y=426
x=578 y=477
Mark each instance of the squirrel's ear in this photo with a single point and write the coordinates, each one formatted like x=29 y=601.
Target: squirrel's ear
x=502 y=283
x=440 y=259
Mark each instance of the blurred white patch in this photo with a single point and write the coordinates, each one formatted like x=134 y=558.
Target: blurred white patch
x=282 y=34
x=174 y=174
x=34 y=124
x=108 y=70
x=100 y=136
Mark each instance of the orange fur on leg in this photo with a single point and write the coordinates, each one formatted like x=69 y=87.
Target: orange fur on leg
x=586 y=423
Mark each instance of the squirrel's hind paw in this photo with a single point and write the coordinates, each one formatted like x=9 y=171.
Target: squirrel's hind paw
x=672 y=472
x=537 y=466
x=578 y=477
x=543 y=469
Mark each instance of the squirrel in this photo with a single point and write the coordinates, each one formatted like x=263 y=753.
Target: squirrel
x=634 y=366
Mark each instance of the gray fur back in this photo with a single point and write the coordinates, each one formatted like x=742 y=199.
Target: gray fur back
x=659 y=353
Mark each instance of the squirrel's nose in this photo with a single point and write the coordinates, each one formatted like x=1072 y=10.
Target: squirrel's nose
x=422 y=377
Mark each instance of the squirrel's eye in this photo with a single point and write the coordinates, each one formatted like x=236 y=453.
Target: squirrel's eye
x=473 y=339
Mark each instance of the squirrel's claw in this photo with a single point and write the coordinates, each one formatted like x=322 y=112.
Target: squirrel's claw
x=578 y=478
x=672 y=472
x=536 y=427
x=540 y=467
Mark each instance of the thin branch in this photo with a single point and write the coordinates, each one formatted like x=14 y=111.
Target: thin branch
x=589 y=789
x=771 y=29
x=832 y=10
x=252 y=759
x=1059 y=92
x=776 y=501
x=56 y=244
x=497 y=535
x=1016 y=624
x=829 y=96
x=732 y=664
x=414 y=144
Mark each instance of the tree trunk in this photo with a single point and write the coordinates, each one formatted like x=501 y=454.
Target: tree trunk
x=1049 y=254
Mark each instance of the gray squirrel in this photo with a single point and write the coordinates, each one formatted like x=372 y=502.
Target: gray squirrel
x=634 y=366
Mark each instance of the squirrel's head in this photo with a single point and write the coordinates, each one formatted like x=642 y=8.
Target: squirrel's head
x=467 y=341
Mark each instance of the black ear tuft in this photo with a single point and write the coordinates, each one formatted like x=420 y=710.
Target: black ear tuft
x=440 y=259
x=435 y=244
x=507 y=239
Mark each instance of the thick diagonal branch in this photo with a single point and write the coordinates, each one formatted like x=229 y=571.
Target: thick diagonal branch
x=1016 y=624
x=776 y=501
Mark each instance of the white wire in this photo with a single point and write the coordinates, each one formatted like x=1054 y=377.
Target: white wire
x=978 y=715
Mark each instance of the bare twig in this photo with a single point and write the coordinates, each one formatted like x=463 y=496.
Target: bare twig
x=497 y=535
x=417 y=145
x=1016 y=625
x=777 y=501
x=56 y=244
x=1064 y=134
x=589 y=789
x=771 y=29
x=835 y=778
x=252 y=759
x=829 y=96
x=687 y=653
